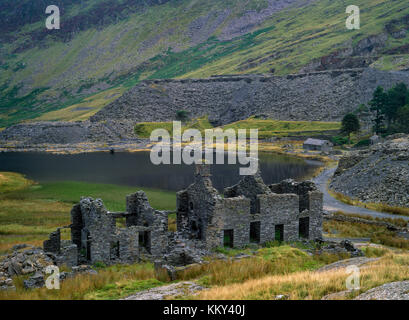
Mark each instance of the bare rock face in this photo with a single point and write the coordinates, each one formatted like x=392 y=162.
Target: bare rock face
x=379 y=174
x=390 y=291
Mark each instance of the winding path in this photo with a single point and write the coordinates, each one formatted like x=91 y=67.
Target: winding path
x=331 y=204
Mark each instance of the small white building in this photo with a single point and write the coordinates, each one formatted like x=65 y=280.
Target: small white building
x=374 y=139
x=317 y=145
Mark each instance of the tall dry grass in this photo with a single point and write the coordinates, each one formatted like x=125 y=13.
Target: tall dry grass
x=270 y=261
x=308 y=285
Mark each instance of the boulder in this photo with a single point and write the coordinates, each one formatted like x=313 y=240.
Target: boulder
x=36 y=281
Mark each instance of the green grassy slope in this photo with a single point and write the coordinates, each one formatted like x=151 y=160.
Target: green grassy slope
x=161 y=41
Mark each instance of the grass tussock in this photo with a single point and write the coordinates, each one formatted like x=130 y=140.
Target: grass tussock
x=308 y=285
x=380 y=207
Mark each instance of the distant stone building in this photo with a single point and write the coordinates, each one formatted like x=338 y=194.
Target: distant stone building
x=249 y=212
x=317 y=145
x=374 y=139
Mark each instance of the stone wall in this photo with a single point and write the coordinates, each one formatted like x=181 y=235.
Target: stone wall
x=98 y=230
x=68 y=255
x=316 y=200
x=76 y=225
x=249 y=187
x=53 y=244
x=159 y=234
x=310 y=203
x=95 y=235
x=275 y=210
x=197 y=204
x=140 y=212
x=236 y=216
x=128 y=245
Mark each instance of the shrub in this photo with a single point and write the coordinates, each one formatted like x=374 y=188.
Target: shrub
x=339 y=141
x=182 y=115
x=363 y=143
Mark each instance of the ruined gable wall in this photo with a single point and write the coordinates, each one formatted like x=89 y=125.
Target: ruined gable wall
x=128 y=241
x=302 y=189
x=235 y=215
x=314 y=212
x=76 y=225
x=277 y=209
x=182 y=208
x=249 y=187
x=196 y=205
x=310 y=203
x=139 y=210
x=101 y=227
x=159 y=233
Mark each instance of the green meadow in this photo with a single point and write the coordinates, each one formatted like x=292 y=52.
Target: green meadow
x=267 y=128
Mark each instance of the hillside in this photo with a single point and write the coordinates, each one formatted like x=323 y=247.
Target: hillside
x=112 y=45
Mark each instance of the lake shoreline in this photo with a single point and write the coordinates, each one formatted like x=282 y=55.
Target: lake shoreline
x=146 y=146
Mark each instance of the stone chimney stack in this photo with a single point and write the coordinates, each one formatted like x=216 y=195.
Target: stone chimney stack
x=203 y=170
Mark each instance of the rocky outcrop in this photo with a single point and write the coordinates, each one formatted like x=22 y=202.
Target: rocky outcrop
x=360 y=55
x=186 y=288
x=390 y=291
x=378 y=174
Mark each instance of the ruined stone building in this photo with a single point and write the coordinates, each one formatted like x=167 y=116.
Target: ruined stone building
x=249 y=212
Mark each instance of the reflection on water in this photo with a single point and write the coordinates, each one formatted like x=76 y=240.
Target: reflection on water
x=136 y=169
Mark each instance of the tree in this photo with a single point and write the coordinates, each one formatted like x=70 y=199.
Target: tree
x=402 y=122
x=397 y=97
x=378 y=104
x=350 y=124
x=182 y=115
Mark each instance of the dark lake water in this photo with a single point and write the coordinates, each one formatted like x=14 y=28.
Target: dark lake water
x=136 y=169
